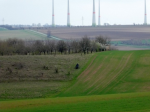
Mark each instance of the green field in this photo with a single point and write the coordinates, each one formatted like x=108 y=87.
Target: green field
x=133 y=102
x=113 y=81
x=21 y=34
x=114 y=72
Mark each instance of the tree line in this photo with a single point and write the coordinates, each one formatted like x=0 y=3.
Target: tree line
x=138 y=42
x=39 y=47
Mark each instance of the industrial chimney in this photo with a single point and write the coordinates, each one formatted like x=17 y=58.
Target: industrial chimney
x=53 y=15
x=68 y=16
x=94 y=19
x=145 y=19
x=99 y=16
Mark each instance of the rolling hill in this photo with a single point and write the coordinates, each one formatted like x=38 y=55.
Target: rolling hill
x=21 y=34
x=114 y=72
x=111 y=81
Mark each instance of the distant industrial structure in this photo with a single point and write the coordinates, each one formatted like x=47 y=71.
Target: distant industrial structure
x=94 y=19
x=145 y=19
x=68 y=16
x=53 y=15
x=99 y=16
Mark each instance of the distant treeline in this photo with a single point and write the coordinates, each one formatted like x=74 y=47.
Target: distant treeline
x=137 y=42
x=84 y=45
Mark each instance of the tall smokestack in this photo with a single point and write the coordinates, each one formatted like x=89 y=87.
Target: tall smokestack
x=145 y=20
x=99 y=16
x=68 y=14
x=94 y=20
x=53 y=15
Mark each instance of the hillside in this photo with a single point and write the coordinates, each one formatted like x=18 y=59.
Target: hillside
x=133 y=102
x=21 y=34
x=35 y=76
x=114 y=72
x=111 y=81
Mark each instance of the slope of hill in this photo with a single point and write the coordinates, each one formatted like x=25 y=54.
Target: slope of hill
x=98 y=88
x=21 y=34
x=35 y=76
x=133 y=102
x=2 y=29
x=114 y=72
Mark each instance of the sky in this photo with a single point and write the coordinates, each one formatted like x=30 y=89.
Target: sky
x=27 y=12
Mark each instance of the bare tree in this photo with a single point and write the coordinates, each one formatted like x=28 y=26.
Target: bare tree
x=38 y=47
x=103 y=41
x=84 y=44
x=100 y=39
x=51 y=46
x=61 y=46
x=94 y=46
x=68 y=44
x=74 y=46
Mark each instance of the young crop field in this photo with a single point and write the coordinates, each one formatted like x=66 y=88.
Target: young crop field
x=21 y=34
x=133 y=102
x=112 y=81
x=114 y=72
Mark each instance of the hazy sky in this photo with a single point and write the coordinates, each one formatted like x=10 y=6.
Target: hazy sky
x=40 y=11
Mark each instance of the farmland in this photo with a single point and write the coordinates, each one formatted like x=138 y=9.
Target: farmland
x=106 y=81
x=123 y=37
x=21 y=34
x=114 y=72
x=132 y=102
x=109 y=81
x=36 y=75
x=118 y=35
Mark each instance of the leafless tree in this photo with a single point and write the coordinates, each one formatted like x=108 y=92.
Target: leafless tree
x=51 y=46
x=94 y=46
x=74 y=46
x=61 y=46
x=38 y=47
x=84 y=44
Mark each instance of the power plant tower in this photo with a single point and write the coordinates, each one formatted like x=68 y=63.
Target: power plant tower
x=53 y=15
x=94 y=19
x=99 y=16
x=145 y=19
x=68 y=16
